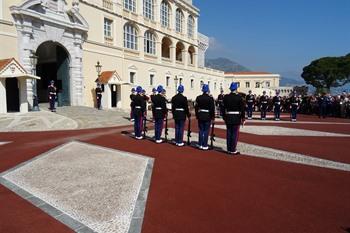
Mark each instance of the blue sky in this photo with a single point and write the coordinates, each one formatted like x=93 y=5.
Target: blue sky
x=275 y=35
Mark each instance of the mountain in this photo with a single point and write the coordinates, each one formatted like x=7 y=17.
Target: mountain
x=224 y=64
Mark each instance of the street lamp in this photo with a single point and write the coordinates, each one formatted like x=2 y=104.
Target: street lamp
x=98 y=69
x=34 y=61
x=176 y=80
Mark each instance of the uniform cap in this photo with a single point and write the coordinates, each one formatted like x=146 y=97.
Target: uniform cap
x=143 y=91
x=133 y=90
x=154 y=89
x=205 y=88
x=233 y=86
x=264 y=92
x=160 y=89
x=139 y=89
x=181 y=89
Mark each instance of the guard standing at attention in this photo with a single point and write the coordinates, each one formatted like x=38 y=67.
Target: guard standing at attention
x=277 y=105
x=220 y=102
x=263 y=105
x=205 y=113
x=139 y=108
x=234 y=116
x=179 y=108
x=294 y=106
x=132 y=95
x=160 y=111
x=250 y=99
x=98 y=92
x=52 y=95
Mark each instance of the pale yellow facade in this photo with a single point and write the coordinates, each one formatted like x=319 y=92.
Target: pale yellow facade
x=79 y=28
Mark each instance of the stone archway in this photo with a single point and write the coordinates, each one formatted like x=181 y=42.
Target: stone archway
x=39 y=21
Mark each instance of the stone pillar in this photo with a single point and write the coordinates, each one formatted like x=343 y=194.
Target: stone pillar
x=195 y=60
x=185 y=57
x=173 y=54
x=3 y=105
x=23 y=101
x=159 y=51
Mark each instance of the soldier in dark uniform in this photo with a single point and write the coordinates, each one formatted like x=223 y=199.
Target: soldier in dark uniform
x=205 y=113
x=263 y=105
x=132 y=95
x=250 y=100
x=98 y=92
x=160 y=111
x=277 y=105
x=234 y=116
x=154 y=93
x=179 y=108
x=322 y=103
x=139 y=108
x=220 y=102
x=52 y=95
x=294 y=106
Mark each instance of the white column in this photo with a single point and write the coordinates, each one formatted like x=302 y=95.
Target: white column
x=23 y=102
x=173 y=54
x=3 y=104
x=159 y=51
x=1 y=9
x=195 y=59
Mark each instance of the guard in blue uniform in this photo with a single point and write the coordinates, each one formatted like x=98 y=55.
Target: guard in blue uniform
x=205 y=113
x=294 y=106
x=277 y=99
x=52 y=95
x=263 y=105
x=234 y=116
x=179 y=108
x=98 y=92
x=160 y=111
x=250 y=101
x=139 y=108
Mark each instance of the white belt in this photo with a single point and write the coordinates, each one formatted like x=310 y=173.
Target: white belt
x=233 y=113
x=203 y=110
x=138 y=107
x=179 y=109
x=278 y=103
x=250 y=100
x=295 y=103
x=264 y=102
x=158 y=108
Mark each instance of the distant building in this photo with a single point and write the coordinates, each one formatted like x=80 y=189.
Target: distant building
x=285 y=91
x=257 y=82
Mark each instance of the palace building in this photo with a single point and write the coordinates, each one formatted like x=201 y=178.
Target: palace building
x=136 y=42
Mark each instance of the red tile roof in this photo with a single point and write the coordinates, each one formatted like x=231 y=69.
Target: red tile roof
x=105 y=76
x=4 y=62
x=247 y=73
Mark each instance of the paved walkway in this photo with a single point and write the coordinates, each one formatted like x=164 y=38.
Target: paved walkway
x=66 y=118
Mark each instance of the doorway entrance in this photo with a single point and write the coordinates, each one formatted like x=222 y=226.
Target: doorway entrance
x=12 y=95
x=114 y=95
x=53 y=64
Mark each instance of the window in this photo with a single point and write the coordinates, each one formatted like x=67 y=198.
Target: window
x=192 y=83
x=164 y=14
x=150 y=43
x=247 y=84
x=190 y=26
x=130 y=5
x=257 y=85
x=201 y=84
x=167 y=81
x=151 y=79
x=148 y=9
x=179 y=20
x=268 y=84
x=130 y=37
x=132 y=77
x=108 y=28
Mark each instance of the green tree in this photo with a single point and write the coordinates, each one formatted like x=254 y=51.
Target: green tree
x=327 y=72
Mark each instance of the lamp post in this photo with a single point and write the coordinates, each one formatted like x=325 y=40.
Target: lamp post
x=98 y=69
x=34 y=61
x=176 y=80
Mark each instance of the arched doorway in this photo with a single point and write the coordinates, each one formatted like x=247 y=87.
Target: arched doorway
x=53 y=64
x=12 y=95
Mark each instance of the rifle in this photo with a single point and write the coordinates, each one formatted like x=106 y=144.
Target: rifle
x=145 y=129
x=212 y=135
x=166 y=128
x=189 y=131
